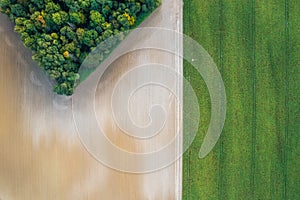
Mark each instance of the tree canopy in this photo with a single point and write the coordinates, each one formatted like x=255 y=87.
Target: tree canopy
x=61 y=33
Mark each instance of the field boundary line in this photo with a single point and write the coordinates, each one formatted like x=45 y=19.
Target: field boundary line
x=287 y=41
x=253 y=41
x=221 y=38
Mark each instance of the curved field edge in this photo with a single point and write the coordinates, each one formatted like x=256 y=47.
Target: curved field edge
x=255 y=44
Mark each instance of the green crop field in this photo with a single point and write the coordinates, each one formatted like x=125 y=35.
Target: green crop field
x=256 y=45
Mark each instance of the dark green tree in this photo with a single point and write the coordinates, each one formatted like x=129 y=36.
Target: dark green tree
x=77 y=18
x=89 y=37
x=17 y=10
x=68 y=32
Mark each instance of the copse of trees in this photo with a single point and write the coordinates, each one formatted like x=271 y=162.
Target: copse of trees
x=61 y=33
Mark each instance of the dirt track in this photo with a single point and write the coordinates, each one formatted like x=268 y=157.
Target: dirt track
x=41 y=156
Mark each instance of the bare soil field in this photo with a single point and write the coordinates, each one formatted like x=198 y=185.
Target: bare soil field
x=41 y=156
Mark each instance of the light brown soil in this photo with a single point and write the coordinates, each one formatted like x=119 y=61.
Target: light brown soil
x=41 y=156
